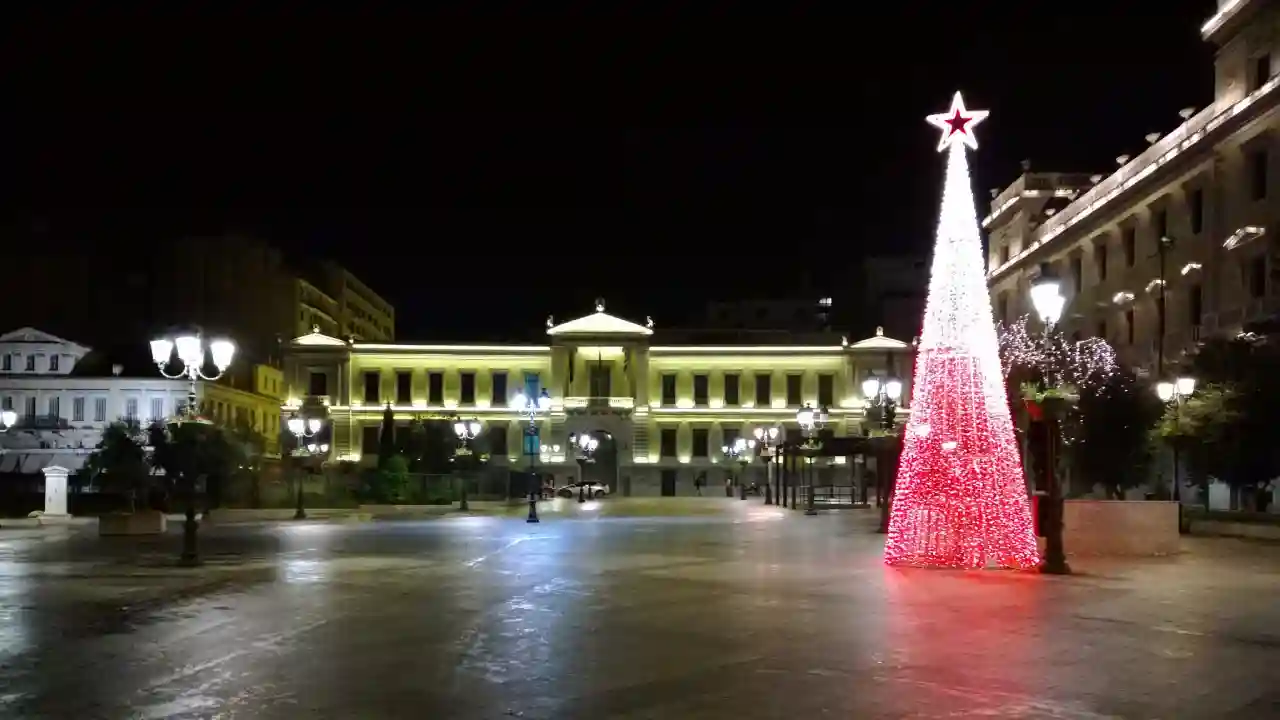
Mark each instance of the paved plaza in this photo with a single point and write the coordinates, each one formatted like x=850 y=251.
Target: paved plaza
x=733 y=610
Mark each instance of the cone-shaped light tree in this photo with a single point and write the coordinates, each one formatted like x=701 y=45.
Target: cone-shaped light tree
x=960 y=499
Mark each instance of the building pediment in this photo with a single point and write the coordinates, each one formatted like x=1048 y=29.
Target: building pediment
x=30 y=335
x=598 y=323
x=878 y=342
x=315 y=338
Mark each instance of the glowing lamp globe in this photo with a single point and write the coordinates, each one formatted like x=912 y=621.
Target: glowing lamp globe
x=804 y=417
x=544 y=401
x=222 y=351
x=1164 y=390
x=893 y=389
x=520 y=401
x=8 y=418
x=871 y=387
x=474 y=427
x=189 y=350
x=313 y=425
x=161 y=351
x=312 y=447
x=1046 y=296
x=759 y=433
x=1186 y=386
x=296 y=425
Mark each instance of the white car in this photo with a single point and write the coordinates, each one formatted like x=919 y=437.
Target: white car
x=593 y=491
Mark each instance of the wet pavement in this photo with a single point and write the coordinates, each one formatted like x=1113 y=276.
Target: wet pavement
x=747 y=613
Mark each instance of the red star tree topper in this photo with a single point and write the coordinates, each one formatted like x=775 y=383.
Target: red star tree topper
x=961 y=497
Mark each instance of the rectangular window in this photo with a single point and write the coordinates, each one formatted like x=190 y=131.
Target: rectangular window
x=700 y=446
x=157 y=409
x=1258 y=175
x=55 y=407
x=1260 y=73
x=1002 y=307
x=77 y=409
x=764 y=390
x=7 y=403
x=1257 y=278
x=53 y=363
x=1161 y=224
x=31 y=363
x=31 y=407
x=1196 y=201
x=668 y=390
x=826 y=390
x=1077 y=273
x=1195 y=307
x=467 y=393
x=731 y=398
x=404 y=388
x=498 y=439
x=1129 y=243
x=8 y=362
x=1100 y=259
x=318 y=384
x=730 y=436
x=499 y=395
x=435 y=389
x=701 y=390
x=100 y=409
x=600 y=379
x=369 y=439
x=372 y=391
x=1004 y=254
x=131 y=408
x=668 y=447
x=793 y=389
x=1129 y=327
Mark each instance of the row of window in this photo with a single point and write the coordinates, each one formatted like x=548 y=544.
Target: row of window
x=764 y=389
x=496 y=440
x=53 y=407
x=7 y=364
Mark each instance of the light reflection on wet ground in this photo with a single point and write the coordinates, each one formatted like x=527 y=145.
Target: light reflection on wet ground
x=755 y=613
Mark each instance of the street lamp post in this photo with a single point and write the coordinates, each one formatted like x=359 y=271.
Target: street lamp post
x=810 y=422
x=466 y=431
x=584 y=448
x=1047 y=298
x=739 y=451
x=882 y=395
x=303 y=429
x=1175 y=393
x=767 y=441
x=532 y=409
x=191 y=351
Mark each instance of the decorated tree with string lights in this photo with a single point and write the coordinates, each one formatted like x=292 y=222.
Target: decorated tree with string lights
x=960 y=499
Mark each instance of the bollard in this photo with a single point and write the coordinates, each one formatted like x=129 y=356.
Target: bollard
x=768 y=494
x=582 y=493
x=742 y=492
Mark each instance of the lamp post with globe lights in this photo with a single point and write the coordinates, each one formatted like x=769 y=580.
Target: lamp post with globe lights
x=739 y=452
x=767 y=441
x=531 y=409
x=1174 y=393
x=304 y=429
x=8 y=418
x=191 y=350
x=466 y=431
x=883 y=395
x=810 y=422
x=584 y=447
x=1046 y=297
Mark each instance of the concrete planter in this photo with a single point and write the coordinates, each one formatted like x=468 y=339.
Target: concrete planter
x=146 y=522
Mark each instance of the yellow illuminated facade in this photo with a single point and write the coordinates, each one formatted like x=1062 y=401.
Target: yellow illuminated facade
x=668 y=409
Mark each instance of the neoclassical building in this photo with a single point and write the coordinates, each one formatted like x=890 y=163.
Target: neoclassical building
x=663 y=411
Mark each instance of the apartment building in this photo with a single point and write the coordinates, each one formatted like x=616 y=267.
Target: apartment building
x=665 y=410
x=1190 y=222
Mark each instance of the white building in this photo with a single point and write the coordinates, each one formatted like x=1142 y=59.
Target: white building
x=65 y=396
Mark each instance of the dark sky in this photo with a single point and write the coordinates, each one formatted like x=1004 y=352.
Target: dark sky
x=482 y=171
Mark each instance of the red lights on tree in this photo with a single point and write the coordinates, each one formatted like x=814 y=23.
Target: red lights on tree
x=960 y=499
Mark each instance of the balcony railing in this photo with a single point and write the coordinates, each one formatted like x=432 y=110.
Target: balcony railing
x=598 y=402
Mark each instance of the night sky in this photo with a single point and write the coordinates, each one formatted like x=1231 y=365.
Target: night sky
x=482 y=171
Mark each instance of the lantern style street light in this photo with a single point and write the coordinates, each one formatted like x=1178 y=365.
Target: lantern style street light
x=466 y=431
x=191 y=350
x=8 y=418
x=532 y=409
x=1175 y=393
x=810 y=422
x=767 y=441
x=1046 y=297
x=883 y=395
x=303 y=429
x=739 y=451
x=584 y=447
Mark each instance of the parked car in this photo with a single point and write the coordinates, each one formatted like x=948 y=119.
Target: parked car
x=593 y=489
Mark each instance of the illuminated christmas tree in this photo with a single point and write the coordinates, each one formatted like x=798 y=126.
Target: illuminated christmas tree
x=960 y=499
